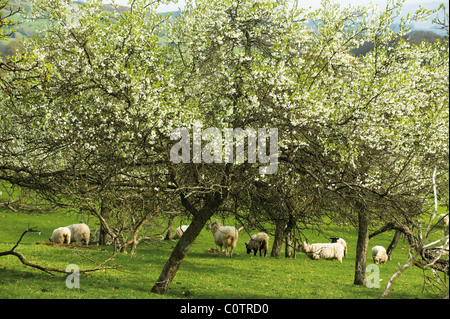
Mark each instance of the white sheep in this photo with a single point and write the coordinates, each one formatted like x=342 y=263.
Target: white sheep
x=379 y=255
x=342 y=242
x=60 y=235
x=224 y=236
x=259 y=241
x=180 y=231
x=443 y=219
x=79 y=233
x=323 y=251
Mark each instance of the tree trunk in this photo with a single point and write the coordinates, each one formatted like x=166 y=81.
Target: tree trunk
x=393 y=244
x=169 y=227
x=278 y=240
x=181 y=249
x=288 y=248
x=288 y=229
x=104 y=212
x=361 y=248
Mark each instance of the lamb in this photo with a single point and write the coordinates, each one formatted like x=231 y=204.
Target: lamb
x=79 y=233
x=340 y=241
x=379 y=255
x=60 y=235
x=180 y=231
x=259 y=241
x=323 y=251
x=224 y=236
x=443 y=219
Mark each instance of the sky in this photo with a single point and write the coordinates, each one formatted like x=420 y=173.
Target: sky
x=312 y=3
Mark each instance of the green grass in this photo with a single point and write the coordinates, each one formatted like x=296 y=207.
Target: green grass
x=201 y=275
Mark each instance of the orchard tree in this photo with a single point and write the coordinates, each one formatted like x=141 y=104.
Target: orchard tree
x=367 y=131
x=83 y=107
x=370 y=130
x=282 y=205
x=93 y=109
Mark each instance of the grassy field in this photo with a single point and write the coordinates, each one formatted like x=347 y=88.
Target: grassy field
x=202 y=274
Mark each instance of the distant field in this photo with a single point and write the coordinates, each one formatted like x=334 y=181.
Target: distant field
x=202 y=274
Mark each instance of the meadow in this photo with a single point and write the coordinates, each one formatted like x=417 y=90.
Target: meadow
x=202 y=275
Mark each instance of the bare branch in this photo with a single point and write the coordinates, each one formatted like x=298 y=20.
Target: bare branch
x=430 y=259
x=50 y=270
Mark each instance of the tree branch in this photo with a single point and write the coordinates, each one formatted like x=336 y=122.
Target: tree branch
x=48 y=270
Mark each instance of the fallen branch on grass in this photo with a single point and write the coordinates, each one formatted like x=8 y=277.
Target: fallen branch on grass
x=48 y=270
x=68 y=246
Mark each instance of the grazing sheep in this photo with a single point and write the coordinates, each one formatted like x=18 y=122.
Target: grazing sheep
x=60 y=235
x=257 y=242
x=379 y=255
x=340 y=241
x=443 y=219
x=323 y=251
x=79 y=233
x=224 y=236
x=180 y=231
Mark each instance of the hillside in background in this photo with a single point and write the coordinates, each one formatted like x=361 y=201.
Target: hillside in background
x=427 y=25
x=26 y=29
x=415 y=37
x=420 y=31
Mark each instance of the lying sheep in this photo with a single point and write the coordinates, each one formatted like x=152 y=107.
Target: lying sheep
x=379 y=255
x=224 y=236
x=79 y=233
x=60 y=235
x=340 y=241
x=323 y=251
x=257 y=242
x=180 y=231
x=443 y=219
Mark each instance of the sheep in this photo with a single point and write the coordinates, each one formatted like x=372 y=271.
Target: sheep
x=379 y=255
x=323 y=251
x=180 y=231
x=340 y=241
x=79 y=233
x=257 y=242
x=443 y=219
x=224 y=236
x=60 y=235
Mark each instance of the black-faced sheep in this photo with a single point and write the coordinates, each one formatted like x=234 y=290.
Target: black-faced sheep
x=257 y=242
x=79 y=233
x=224 y=236
x=323 y=251
x=379 y=255
x=60 y=235
x=180 y=231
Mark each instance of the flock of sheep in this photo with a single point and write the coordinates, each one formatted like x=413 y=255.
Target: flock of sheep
x=75 y=233
x=227 y=237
